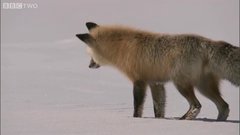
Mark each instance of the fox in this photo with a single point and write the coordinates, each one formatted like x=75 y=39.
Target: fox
x=151 y=59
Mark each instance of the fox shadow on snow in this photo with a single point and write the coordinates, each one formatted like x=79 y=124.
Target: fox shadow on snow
x=199 y=119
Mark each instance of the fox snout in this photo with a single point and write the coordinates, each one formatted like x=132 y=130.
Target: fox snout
x=93 y=64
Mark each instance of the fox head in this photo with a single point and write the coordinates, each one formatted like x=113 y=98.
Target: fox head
x=96 y=59
x=115 y=46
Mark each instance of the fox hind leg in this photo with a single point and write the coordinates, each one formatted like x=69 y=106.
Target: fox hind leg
x=139 y=91
x=159 y=99
x=187 y=90
x=208 y=86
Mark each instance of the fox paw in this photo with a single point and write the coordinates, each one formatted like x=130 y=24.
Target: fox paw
x=223 y=115
x=191 y=114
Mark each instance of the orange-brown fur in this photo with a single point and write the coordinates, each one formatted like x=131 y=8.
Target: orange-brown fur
x=186 y=59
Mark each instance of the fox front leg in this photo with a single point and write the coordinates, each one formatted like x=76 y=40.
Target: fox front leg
x=139 y=91
x=159 y=99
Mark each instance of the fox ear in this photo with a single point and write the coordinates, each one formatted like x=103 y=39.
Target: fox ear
x=91 y=25
x=86 y=38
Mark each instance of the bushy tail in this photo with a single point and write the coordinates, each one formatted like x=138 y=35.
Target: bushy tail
x=226 y=61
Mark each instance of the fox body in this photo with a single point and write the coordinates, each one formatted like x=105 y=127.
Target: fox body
x=148 y=58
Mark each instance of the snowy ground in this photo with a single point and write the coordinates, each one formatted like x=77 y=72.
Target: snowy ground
x=48 y=89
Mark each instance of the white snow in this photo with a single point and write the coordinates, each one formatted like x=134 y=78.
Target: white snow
x=48 y=89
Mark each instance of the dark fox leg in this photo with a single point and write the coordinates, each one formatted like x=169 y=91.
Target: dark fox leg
x=139 y=91
x=208 y=86
x=159 y=99
x=187 y=90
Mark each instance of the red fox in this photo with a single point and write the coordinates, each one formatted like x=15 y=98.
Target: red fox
x=147 y=58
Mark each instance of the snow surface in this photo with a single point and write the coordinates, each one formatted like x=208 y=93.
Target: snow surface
x=48 y=89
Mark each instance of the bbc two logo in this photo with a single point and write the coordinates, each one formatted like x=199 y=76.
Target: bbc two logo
x=19 y=5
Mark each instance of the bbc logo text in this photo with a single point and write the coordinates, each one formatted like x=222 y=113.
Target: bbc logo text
x=19 y=5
